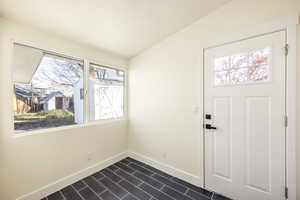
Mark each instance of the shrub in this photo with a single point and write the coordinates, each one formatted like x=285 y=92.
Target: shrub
x=55 y=114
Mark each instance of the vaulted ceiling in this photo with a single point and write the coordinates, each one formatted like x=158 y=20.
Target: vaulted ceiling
x=125 y=27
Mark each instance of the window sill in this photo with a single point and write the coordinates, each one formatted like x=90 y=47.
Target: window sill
x=17 y=134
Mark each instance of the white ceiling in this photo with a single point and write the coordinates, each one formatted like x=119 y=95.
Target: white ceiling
x=125 y=27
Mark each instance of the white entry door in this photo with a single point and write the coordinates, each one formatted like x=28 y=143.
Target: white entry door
x=244 y=106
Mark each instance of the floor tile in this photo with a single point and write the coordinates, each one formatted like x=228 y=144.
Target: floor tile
x=135 y=191
x=79 y=185
x=141 y=169
x=175 y=194
x=116 y=189
x=130 y=178
x=94 y=185
x=108 y=173
x=219 y=197
x=125 y=162
x=157 y=171
x=154 y=192
x=98 y=175
x=148 y=180
x=125 y=167
x=113 y=168
x=170 y=183
x=135 y=161
x=108 y=196
x=129 y=197
x=88 y=194
x=70 y=193
x=55 y=196
x=196 y=195
x=192 y=187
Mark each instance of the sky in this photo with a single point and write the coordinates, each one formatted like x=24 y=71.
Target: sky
x=54 y=74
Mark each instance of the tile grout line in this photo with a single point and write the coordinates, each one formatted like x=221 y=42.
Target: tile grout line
x=92 y=190
x=78 y=192
x=115 y=175
x=143 y=166
x=107 y=189
x=157 y=190
x=62 y=194
x=81 y=188
x=125 y=195
x=212 y=196
x=188 y=188
x=136 y=187
x=185 y=193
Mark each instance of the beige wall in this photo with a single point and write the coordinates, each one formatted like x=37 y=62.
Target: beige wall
x=298 y=112
x=165 y=87
x=165 y=82
x=31 y=162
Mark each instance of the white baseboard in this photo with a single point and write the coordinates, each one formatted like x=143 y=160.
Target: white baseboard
x=61 y=183
x=195 y=180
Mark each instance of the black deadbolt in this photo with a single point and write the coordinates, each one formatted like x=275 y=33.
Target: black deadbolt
x=207 y=116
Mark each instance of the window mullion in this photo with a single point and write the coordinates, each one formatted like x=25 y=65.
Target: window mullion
x=86 y=91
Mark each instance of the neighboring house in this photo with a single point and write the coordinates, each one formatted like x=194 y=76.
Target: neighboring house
x=25 y=101
x=56 y=100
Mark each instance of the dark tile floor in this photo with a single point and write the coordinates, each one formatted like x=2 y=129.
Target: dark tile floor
x=132 y=180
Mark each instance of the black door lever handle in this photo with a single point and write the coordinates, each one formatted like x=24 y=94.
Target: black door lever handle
x=208 y=126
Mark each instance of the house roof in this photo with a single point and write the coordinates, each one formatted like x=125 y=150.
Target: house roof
x=23 y=93
x=51 y=95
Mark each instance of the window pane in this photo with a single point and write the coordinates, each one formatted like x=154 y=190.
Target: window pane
x=48 y=96
x=106 y=93
x=104 y=74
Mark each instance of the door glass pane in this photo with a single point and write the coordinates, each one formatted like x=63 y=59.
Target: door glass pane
x=239 y=60
x=222 y=78
x=260 y=73
x=222 y=63
x=260 y=57
x=249 y=67
x=239 y=76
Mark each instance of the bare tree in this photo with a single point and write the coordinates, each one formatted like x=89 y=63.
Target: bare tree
x=58 y=75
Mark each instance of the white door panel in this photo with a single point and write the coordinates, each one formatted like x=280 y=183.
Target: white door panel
x=222 y=142
x=245 y=95
x=258 y=133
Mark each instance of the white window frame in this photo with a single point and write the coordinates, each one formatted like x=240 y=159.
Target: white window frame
x=87 y=113
x=86 y=68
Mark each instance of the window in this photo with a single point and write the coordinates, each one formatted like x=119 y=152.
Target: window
x=250 y=67
x=50 y=90
x=47 y=90
x=106 y=92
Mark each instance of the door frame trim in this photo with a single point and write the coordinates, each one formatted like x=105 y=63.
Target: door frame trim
x=289 y=25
